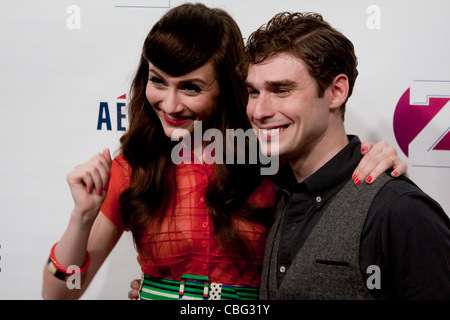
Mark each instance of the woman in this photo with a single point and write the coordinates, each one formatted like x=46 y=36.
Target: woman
x=195 y=226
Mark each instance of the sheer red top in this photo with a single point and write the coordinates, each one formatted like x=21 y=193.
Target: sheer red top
x=186 y=244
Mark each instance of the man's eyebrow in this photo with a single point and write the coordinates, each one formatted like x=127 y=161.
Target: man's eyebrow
x=280 y=83
x=277 y=83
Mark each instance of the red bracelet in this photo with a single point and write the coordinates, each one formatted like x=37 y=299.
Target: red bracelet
x=64 y=270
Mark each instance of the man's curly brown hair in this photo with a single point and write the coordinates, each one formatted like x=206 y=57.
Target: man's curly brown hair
x=325 y=51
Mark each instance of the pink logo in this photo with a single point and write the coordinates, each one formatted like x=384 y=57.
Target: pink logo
x=412 y=116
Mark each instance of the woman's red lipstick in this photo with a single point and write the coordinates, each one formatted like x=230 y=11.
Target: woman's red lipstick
x=175 y=123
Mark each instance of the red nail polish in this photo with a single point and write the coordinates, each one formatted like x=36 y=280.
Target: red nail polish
x=369 y=179
x=354 y=177
x=394 y=173
x=357 y=182
x=109 y=175
x=364 y=149
x=100 y=192
x=105 y=187
x=91 y=190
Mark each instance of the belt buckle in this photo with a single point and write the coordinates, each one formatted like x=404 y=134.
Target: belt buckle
x=194 y=278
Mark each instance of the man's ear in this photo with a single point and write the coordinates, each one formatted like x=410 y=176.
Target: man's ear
x=339 y=91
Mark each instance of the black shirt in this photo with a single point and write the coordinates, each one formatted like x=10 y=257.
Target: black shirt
x=406 y=233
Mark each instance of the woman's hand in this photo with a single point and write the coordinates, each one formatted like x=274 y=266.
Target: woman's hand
x=133 y=294
x=378 y=158
x=88 y=184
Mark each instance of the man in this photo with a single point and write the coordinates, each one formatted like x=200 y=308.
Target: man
x=331 y=239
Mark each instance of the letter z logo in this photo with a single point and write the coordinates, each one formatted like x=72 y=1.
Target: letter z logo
x=422 y=123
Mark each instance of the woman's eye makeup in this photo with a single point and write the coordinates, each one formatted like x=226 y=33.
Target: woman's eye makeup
x=155 y=80
x=192 y=88
x=188 y=87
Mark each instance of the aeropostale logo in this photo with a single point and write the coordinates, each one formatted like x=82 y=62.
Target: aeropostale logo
x=110 y=113
x=422 y=123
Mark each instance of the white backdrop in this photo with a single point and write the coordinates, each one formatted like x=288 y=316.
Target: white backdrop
x=65 y=64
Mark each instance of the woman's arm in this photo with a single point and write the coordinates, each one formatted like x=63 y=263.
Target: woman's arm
x=102 y=239
x=87 y=231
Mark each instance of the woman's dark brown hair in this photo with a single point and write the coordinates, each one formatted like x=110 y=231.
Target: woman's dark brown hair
x=325 y=51
x=183 y=40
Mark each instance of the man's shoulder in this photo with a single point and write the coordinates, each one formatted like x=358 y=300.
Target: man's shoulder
x=400 y=197
x=403 y=187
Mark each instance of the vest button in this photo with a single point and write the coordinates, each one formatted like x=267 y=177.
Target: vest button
x=318 y=199
x=282 y=269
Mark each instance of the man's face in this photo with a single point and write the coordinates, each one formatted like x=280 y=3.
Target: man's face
x=283 y=106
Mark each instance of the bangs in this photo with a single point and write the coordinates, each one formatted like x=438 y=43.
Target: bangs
x=179 y=43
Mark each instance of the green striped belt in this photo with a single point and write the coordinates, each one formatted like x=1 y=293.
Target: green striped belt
x=192 y=287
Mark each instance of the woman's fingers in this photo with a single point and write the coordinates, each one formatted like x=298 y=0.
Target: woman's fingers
x=107 y=157
x=99 y=169
x=133 y=294
x=400 y=168
x=92 y=176
x=377 y=159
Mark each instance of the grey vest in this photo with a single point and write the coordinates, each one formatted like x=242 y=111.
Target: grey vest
x=327 y=265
